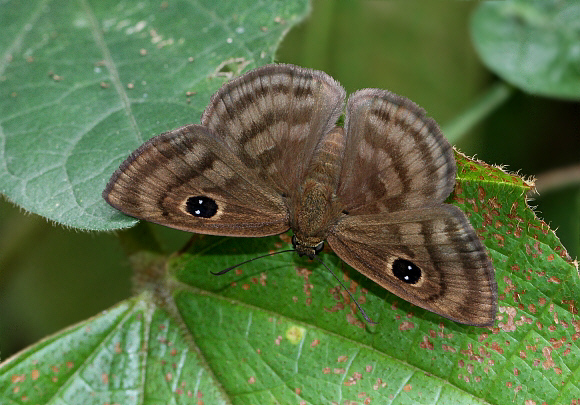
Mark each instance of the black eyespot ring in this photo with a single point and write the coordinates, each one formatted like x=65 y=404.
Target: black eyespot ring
x=406 y=271
x=201 y=206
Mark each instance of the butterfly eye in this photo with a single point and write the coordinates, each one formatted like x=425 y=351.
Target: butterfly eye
x=406 y=271
x=200 y=206
x=294 y=242
x=318 y=248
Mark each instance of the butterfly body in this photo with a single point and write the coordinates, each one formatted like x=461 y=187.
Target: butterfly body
x=314 y=206
x=269 y=157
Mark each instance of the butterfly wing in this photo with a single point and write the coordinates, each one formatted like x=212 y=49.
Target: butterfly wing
x=189 y=179
x=397 y=171
x=231 y=175
x=273 y=117
x=395 y=158
x=430 y=257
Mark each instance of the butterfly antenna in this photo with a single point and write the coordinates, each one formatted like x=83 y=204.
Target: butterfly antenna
x=362 y=311
x=219 y=273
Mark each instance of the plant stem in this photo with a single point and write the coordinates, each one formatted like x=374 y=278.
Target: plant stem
x=476 y=112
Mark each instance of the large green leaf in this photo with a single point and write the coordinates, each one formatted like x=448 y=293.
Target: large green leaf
x=279 y=330
x=534 y=45
x=83 y=83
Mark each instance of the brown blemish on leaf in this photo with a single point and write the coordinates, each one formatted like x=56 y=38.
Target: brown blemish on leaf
x=481 y=193
x=368 y=368
x=487 y=220
x=554 y=280
x=406 y=325
x=17 y=378
x=500 y=239
x=342 y=359
x=426 y=344
x=510 y=285
x=315 y=343
x=474 y=206
x=252 y=380
x=407 y=388
x=448 y=348
x=509 y=325
x=305 y=274
x=379 y=384
x=549 y=362
x=351 y=319
x=495 y=346
x=571 y=306
x=349 y=381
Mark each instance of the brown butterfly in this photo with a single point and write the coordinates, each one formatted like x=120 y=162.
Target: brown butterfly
x=268 y=156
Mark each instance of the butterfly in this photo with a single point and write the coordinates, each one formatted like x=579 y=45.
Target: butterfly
x=268 y=157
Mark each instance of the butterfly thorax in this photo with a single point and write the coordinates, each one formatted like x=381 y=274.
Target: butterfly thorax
x=316 y=207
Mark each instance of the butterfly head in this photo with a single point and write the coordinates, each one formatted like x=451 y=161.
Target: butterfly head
x=307 y=249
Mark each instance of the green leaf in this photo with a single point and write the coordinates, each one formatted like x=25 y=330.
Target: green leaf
x=84 y=83
x=534 y=45
x=279 y=330
x=130 y=354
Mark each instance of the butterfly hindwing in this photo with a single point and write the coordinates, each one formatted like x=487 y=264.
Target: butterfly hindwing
x=395 y=158
x=189 y=179
x=452 y=275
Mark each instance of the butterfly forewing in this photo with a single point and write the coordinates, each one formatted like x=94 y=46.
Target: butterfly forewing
x=273 y=117
x=188 y=179
x=395 y=157
x=449 y=272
